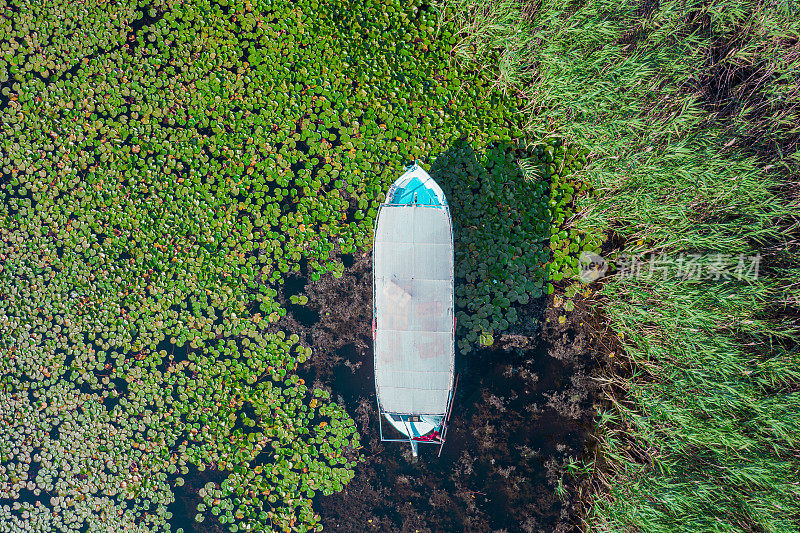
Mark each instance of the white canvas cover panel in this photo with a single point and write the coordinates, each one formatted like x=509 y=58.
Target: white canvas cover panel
x=413 y=270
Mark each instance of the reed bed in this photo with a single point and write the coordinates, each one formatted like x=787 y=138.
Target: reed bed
x=690 y=113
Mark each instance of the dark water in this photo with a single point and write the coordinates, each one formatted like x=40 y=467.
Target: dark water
x=496 y=471
x=519 y=414
x=184 y=508
x=304 y=314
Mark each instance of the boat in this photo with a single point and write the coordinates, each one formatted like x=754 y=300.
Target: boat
x=413 y=316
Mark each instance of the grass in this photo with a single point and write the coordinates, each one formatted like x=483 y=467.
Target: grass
x=690 y=112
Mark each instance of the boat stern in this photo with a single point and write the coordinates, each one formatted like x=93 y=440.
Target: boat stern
x=417 y=428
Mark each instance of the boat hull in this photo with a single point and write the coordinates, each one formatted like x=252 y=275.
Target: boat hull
x=414 y=305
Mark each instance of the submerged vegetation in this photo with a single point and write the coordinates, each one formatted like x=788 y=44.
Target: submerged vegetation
x=689 y=111
x=165 y=166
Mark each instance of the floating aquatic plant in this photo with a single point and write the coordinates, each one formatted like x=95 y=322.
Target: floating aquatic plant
x=558 y=164
x=165 y=166
x=511 y=208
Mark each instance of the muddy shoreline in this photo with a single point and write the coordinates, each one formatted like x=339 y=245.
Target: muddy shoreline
x=523 y=408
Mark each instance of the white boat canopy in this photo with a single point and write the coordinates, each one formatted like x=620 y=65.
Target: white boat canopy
x=413 y=299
